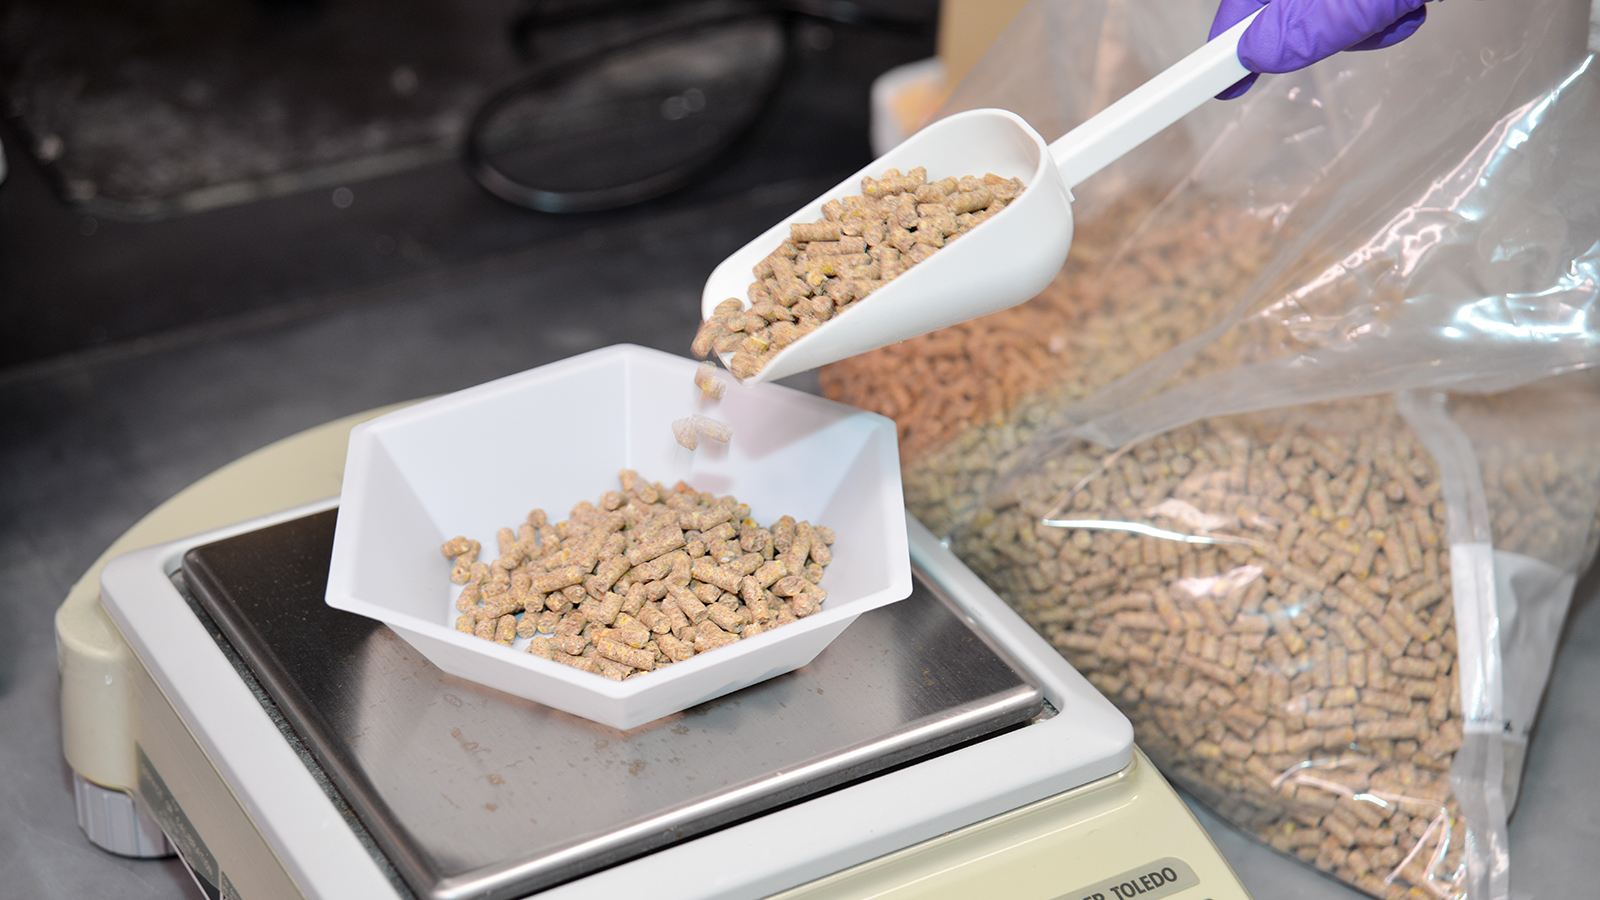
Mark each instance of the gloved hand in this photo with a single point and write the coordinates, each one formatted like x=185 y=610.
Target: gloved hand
x=1292 y=34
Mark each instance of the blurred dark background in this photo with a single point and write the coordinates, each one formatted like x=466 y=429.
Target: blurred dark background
x=180 y=169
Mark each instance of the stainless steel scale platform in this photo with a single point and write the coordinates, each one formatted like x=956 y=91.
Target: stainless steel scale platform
x=283 y=748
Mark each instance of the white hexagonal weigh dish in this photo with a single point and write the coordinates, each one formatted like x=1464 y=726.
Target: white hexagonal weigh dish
x=479 y=459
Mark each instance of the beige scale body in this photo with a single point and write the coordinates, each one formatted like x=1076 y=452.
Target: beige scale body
x=128 y=740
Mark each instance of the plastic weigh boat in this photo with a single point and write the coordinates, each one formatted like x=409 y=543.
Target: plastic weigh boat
x=1010 y=257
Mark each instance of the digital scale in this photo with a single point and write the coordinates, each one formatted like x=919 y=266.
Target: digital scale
x=215 y=706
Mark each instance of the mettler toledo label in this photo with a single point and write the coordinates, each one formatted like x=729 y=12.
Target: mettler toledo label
x=1152 y=881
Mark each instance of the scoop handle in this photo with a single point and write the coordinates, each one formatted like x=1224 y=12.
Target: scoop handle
x=1151 y=107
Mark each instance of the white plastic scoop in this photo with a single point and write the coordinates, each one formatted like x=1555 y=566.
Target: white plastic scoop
x=1010 y=257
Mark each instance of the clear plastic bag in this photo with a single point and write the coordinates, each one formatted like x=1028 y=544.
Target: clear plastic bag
x=1297 y=460
x=1298 y=609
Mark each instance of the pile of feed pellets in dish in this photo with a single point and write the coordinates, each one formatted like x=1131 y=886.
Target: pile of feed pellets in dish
x=861 y=243
x=643 y=578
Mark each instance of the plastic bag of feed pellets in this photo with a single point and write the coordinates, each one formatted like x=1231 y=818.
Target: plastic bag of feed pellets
x=1299 y=458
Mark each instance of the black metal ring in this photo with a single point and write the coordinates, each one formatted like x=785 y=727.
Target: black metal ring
x=509 y=189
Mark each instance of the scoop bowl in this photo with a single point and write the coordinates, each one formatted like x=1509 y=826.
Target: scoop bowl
x=1009 y=257
x=1007 y=260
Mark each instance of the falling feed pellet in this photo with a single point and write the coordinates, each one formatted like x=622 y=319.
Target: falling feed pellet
x=683 y=431
x=705 y=378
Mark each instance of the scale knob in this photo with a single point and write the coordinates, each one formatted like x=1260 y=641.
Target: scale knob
x=112 y=821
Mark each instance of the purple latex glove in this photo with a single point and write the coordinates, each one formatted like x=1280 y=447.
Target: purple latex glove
x=1292 y=34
